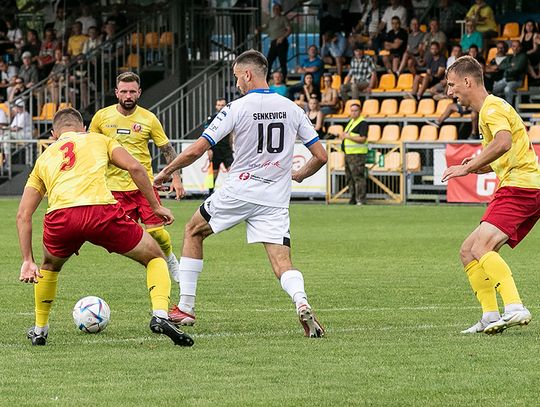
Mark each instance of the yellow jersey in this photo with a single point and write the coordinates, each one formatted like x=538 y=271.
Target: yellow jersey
x=72 y=171
x=518 y=167
x=133 y=132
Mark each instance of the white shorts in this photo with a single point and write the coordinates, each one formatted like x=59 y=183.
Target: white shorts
x=264 y=224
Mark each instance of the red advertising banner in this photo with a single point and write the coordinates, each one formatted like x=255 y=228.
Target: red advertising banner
x=473 y=187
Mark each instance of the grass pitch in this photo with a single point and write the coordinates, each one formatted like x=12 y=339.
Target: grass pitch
x=385 y=281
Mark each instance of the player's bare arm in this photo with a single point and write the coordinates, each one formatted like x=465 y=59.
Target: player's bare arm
x=499 y=146
x=28 y=205
x=170 y=154
x=483 y=170
x=317 y=160
x=185 y=158
x=122 y=159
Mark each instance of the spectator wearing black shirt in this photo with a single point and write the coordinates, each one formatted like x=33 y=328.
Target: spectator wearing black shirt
x=436 y=68
x=395 y=43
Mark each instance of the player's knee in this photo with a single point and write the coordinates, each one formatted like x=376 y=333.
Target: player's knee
x=466 y=254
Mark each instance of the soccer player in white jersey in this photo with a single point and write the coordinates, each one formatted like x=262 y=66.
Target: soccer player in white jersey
x=258 y=188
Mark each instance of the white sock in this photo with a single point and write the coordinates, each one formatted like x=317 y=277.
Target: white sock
x=38 y=330
x=292 y=282
x=491 y=316
x=513 y=307
x=189 y=274
x=160 y=313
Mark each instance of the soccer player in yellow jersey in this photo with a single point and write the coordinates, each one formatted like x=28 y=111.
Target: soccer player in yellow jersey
x=133 y=127
x=72 y=172
x=515 y=207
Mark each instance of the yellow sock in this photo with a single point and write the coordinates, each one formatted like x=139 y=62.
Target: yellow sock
x=44 y=295
x=159 y=284
x=482 y=286
x=500 y=274
x=163 y=238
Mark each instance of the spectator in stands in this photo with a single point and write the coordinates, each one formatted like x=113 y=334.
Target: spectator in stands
x=353 y=15
x=278 y=29
x=475 y=53
x=355 y=147
x=19 y=129
x=434 y=35
x=370 y=24
x=28 y=71
x=32 y=45
x=311 y=64
x=17 y=89
x=7 y=78
x=530 y=44
x=76 y=40
x=334 y=49
x=316 y=116
x=93 y=41
x=56 y=78
x=449 y=12
x=62 y=24
x=483 y=17
x=117 y=17
x=492 y=72
x=455 y=54
x=414 y=54
x=436 y=67
x=393 y=10
x=330 y=102
x=86 y=19
x=277 y=84
x=362 y=76
x=78 y=82
x=470 y=37
x=395 y=43
x=331 y=16
x=14 y=34
x=46 y=52
x=309 y=90
x=514 y=67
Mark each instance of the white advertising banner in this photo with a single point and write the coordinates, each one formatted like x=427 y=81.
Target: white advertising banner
x=194 y=175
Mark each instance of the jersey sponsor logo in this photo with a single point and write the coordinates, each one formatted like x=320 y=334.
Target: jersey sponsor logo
x=136 y=127
x=123 y=131
x=244 y=176
x=110 y=126
x=269 y=115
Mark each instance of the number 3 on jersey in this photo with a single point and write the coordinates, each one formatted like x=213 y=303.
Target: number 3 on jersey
x=69 y=156
x=271 y=130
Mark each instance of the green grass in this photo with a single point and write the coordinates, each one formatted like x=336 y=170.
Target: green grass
x=386 y=282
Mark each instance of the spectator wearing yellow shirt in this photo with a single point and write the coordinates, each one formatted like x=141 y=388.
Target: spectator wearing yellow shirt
x=482 y=15
x=76 y=39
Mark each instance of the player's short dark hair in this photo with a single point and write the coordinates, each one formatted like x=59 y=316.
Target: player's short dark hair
x=66 y=117
x=467 y=66
x=128 y=77
x=255 y=59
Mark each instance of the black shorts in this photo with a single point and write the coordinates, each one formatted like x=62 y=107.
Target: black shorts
x=219 y=158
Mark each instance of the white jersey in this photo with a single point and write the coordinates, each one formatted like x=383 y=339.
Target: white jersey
x=265 y=127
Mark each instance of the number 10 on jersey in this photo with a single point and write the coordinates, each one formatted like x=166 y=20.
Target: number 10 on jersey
x=273 y=129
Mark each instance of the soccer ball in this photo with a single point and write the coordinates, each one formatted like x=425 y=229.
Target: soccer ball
x=91 y=314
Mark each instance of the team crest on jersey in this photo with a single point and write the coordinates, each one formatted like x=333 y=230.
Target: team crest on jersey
x=244 y=176
x=136 y=127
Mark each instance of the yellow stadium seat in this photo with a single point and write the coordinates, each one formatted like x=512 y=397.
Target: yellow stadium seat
x=428 y=133
x=525 y=85
x=405 y=82
x=5 y=108
x=390 y=133
x=534 y=133
x=334 y=130
x=374 y=133
x=448 y=132
x=132 y=62
x=337 y=160
x=47 y=112
x=426 y=107
x=409 y=133
x=388 y=107
x=407 y=107
x=371 y=107
x=151 y=40
x=346 y=110
x=386 y=83
x=441 y=107
x=137 y=40
x=64 y=105
x=413 y=160
x=166 y=39
x=510 y=31
x=491 y=54
x=423 y=28
x=392 y=161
